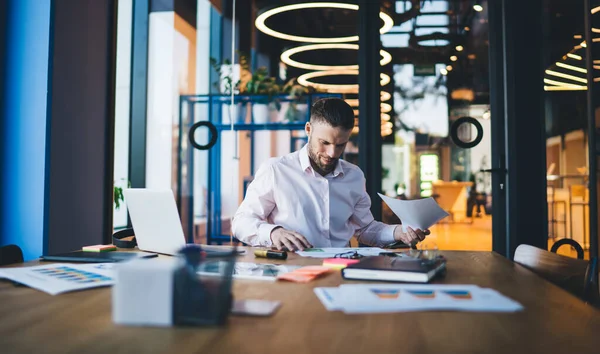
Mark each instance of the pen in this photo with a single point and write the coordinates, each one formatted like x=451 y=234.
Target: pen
x=270 y=254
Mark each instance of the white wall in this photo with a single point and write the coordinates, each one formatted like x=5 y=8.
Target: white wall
x=122 y=98
x=171 y=73
x=389 y=161
x=161 y=77
x=201 y=110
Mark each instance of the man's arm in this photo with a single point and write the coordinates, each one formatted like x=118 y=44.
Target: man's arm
x=250 y=223
x=375 y=233
x=369 y=231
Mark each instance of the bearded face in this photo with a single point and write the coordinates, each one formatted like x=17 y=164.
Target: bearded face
x=325 y=145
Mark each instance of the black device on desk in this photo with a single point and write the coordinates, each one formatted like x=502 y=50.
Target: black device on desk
x=96 y=257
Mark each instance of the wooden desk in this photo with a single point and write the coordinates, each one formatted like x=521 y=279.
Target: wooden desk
x=553 y=321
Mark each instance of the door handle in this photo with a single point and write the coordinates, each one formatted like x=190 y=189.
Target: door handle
x=501 y=170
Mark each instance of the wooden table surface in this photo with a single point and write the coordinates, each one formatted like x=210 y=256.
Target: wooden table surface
x=553 y=321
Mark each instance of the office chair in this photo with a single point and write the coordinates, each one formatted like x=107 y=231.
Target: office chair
x=10 y=254
x=576 y=276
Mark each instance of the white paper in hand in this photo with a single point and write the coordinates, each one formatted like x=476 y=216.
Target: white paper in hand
x=418 y=213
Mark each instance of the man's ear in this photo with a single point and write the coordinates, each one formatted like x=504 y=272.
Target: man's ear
x=307 y=128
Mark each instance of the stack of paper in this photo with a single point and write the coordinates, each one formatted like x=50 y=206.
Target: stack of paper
x=380 y=298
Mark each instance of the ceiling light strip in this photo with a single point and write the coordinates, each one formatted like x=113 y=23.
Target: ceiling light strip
x=560 y=83
x=385 y=107
x=260 y=22
x=565 y=76
x=571 y=67
x=304 y=80
x=386 y=57
x=565 y=88
x=574 y=56
x=353 y=102
x=385 y=96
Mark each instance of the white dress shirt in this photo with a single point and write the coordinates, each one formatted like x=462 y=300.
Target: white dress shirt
x=328 y=211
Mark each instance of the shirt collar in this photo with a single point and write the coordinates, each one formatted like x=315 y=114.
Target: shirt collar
x=305 y=163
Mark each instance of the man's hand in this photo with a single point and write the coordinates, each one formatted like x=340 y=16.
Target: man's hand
x=411 y=236
x=289 y=239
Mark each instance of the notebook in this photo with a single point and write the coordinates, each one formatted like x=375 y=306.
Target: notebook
x=399 y=269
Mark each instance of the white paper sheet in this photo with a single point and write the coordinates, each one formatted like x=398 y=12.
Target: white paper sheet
x=329 y=298
x=330 y=252
x=418 y=213
x=255 y=271
x=382 y=298
x=58 y=278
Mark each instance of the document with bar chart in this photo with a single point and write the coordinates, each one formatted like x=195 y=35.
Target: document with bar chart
x=381 y=298
x=59 y=278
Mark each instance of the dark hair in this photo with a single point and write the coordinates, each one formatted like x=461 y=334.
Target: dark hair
x=333 y=111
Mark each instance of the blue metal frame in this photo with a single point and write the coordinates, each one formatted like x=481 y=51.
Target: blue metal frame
x=187 y=104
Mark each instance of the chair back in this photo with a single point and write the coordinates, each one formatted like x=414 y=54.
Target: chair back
x=569 y=242
x=578 y=191
x=573 y=275
x=10 y=254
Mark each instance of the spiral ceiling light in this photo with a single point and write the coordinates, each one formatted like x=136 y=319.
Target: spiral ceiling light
x=304 y=80
x=386 y=57
x=261 y=25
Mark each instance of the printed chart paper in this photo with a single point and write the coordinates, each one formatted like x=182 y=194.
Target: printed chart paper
x=58 y=278
x=382 y=298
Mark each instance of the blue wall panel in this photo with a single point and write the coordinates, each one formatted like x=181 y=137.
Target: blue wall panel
x=23 y=116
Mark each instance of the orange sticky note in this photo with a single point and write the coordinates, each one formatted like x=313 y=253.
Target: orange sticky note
x=312 y=270
x=297 y=277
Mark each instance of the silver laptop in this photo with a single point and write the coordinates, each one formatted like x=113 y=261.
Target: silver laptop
x=155 y=220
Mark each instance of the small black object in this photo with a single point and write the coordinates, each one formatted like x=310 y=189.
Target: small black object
x=349 y=255
x=10 y=254
x=96 y=257
x=214 y=134
x=389 y=254
x=271 y=254
x=202 y=300
x=118 y=239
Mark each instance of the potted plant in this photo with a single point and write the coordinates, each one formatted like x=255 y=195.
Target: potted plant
x=225 y=85
x=264 y=109
x=118 y=196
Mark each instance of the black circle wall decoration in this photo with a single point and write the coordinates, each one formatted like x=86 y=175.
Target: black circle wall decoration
x=454 y=132
x=214 y=134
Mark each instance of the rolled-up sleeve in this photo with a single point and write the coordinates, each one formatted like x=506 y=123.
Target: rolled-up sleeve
x=368 y=230
x=250 y=222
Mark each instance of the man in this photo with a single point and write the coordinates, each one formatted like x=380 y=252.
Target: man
x=312 y=198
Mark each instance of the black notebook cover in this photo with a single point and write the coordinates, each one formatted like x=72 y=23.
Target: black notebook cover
x=96 y=257
x=394 y=269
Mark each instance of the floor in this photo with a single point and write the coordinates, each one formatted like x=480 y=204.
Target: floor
x=475 y=237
